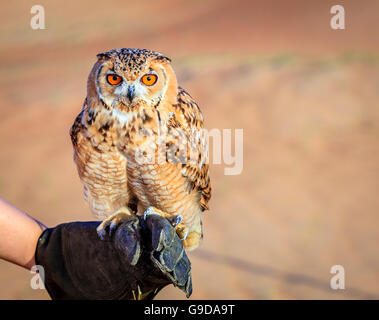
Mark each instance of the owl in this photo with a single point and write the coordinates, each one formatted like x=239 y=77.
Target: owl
x=139 y=144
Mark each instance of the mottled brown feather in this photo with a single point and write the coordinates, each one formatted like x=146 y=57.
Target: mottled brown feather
x=195 y=172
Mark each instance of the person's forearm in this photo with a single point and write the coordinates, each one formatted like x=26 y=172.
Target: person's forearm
x=19 y=234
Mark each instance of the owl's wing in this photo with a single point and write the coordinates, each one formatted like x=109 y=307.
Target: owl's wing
x=196 y=170
x=75 y=128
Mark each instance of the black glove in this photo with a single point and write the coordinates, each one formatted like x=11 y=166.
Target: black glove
x=140 y=259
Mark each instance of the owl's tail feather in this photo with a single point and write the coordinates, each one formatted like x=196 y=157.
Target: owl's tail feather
x=193 y=239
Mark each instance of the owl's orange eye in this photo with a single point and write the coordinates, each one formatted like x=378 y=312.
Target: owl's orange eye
x=149 y=79
x=113 y=79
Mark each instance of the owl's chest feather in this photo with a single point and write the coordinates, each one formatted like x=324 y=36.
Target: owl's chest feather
x=132 y=134
x=149 y=177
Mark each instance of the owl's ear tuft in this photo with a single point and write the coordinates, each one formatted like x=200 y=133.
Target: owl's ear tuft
x=103 y=56
x=163 y=59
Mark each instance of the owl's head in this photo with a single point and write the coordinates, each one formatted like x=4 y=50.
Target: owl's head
x=128 y=78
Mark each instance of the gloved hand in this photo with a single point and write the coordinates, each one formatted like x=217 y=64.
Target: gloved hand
x=141 y=258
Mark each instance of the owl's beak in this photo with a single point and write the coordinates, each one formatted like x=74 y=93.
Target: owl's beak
x=131 y=93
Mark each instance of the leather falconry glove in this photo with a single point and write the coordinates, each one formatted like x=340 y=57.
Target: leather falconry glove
x=135 y=263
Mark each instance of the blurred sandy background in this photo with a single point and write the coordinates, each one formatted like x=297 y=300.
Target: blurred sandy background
x=305 y=95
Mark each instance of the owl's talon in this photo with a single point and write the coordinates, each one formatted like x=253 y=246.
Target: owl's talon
x=184 y=236
x=101 y=233
x=148 y=211
x=176 y=220
x=112 y=227
x=107 y=228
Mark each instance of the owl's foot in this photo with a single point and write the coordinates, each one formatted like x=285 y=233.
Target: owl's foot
x=184 y=235
x=175 y=221
x=109 y=225
x=151 y=210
